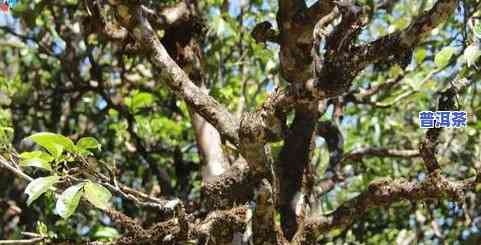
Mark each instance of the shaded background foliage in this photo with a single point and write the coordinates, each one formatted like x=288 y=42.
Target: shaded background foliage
x=60 y=76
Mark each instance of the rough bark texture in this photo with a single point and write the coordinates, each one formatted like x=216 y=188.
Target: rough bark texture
x=295 y=157
x=178 y=81
x=182 y=42
x=235 y=186
x=250 y=177
x=264 y=227
x=382 y=193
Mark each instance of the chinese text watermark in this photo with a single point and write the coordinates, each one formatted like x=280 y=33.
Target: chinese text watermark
x=442 y=119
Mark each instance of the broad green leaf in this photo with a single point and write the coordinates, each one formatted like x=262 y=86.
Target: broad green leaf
x=442 y=58
x=106 y=232
x=39 y=186
x=141 y=100
x=86 y=143
x=54 y=143
x=69 y=200
x=472 y=54
x=98 y=195
x=37 y=159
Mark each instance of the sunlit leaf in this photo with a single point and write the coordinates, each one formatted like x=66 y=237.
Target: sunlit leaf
x=140 y=100
x=86 y=143
x=420 y=55
x=39 y=186
x=37 y=159
x=442 y=58
x=106 y=232
x=69 y=200
x=98 y=195
x=54 y=143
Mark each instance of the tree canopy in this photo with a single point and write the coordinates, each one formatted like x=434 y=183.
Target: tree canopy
x=239 y=122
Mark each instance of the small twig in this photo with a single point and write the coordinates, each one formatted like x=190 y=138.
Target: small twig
x=23 y=241
x=4 y=162
x=31 y=234
x=380 y=152
x=139 y=198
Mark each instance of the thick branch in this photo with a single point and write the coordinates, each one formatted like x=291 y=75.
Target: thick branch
x=209 y=144
x=295 y=38
x=182 y=43
x=292 y=168
x=288 y=9
x=168 y=16
x=216 y=114
x=335 y=144
x=428 y=148
x=318 y=10
x=264 y=227
x=383 y=193
x=342 y=65
x=220 y=226
x=404 y=40
x=252 y=142
x=236 y=185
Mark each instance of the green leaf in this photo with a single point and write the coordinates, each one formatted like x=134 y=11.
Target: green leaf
x=141 y=100
x=401 y=23
x=106 y=232
x=39 y=186
x=442 y=58
x=472 y=54
x=420 y=55
x=54 y=143
x=37 y=159
x=69 y=200
x=98 y=195
x=86 y=143
x=42 y=228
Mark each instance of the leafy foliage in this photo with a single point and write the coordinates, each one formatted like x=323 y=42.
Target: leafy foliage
x=96 y=194
x=112 y=114
x=69 y=200
x=54 y=143
x=37 y=159
x=39 y=186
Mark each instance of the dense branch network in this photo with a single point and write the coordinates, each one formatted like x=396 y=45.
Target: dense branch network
x=255 y=176
x=258 y=128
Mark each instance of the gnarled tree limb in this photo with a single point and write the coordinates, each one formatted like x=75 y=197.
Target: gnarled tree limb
x=132 y=17
x=381 y=194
